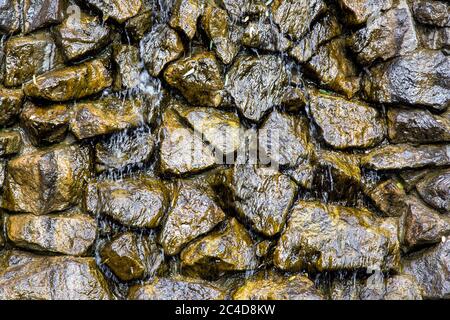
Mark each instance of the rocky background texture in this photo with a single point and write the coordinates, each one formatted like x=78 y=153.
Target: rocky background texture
x=98 y=198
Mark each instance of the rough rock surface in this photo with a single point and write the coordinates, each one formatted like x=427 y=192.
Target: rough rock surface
x=175 y=289
x=256 y=83
x=185 y=14
x=139 y=203
x=10 y=105
x=358 y=11
x=193 y=213
x=334 y=238
x=264 y=35
x=69 y=83
x=41 y=13
x=71 y=234
x=389 y=196
x=228 y=249
x=46 y=180
x=419 y=78
x=117 y=9
x=10 y=142
x=59 y=278
x=434 y=189
x=347 y=124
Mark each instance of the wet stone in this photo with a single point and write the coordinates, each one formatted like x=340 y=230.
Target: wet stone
x=194 y=213
x=389 y=196
x=324 y=30
x=434 y=189
x=303 y=174
x=433 y=37
x=137 y=26
x=42 y=13
x=402 y=287
x=431 y=269
x=285 y=139
x=70 y=83
x=132 y=257
x=117 y=9
x=30 y=56
x=406 y=156
x=185 y=14
x=295 y=16
x=127 y=61
x=71 y=234
x=2 y=173
x=46 y=180
x=424 y=225
x=264 y=34
x=81 y=35
x=222 y=33
x=387 y=35
x=238 y=9
x=226 y=250
x=277 y=287
x=263 y=196
x=412 y=177
x=293 y=100
x=326 y=238
x=124 y=149
x=59 y=278
x=198 y=78
x=220 y=128
x=359 y=11
x=159 y=47
x=417 y=126
x=181 y=150
x=10 y=16
x=138 y=203
x=108 y=115
x=347 y=124
x=256 y=84
x=419 y=78
x=436 y=13
x=10 y=143
x=331 y=66
x=175 y=289
x=10 y=105
x=45 y=125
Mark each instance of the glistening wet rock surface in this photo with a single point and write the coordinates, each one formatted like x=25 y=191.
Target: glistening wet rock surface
x=224 y=149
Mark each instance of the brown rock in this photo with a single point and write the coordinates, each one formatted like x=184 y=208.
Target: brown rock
x=117 y=9
x=10 y=14
x=10 y=143
x=358 y=11
x=41 y=13
x=185 y=14
x=434 y=189
x=10 y=105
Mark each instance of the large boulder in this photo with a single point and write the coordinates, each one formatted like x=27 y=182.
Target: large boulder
x=116 y=9
x=104 y=116
x=46 y=180
x=331 y=66
x=71 y=234
x=30 y=56
x=328 y=238
x=198 y=78
x=324 y=30
x=175 y=289
x=181 y=150
x=41 y=13
x=263 y=197
x=81 y=35
x=419 y=78
x=193 y=213
x=256 y=84
x=277 y=287
x=222 y=32
x=24 y=276
x=434 y=189
x=225 y=250
x=347 y=124
x=185 y=14
x=138 y=203
x=423 y=225
x=45 y=125
x=159 y=47
x=417 y=126
x=132 y=257
x=124 y=149
x=10 y=105
x=406 y=156
x=378 y=41
x=295 y=16
x=431 y=269
x=74 y=82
